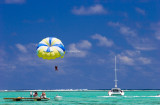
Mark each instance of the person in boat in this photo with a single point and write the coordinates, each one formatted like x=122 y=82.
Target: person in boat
x=43 y=95
x=35 y=94
x=31 y=94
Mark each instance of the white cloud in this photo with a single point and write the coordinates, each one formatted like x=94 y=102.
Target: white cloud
x=143 y=47
x=102 y=40
x=141 y=11
x=79 y=49
x=156 y=28
x=132 y=53
x=130 y=57
x=15 y=1
x=4 y=65
x=139 y=43
x=72 y=48
x=114 y=24
x=28 y=57
x=126 y=60
x=145 y=44
x=75 y=52
x=96 y=9
x=127 y=31
x=123 y=29
x=84 y=44
x=157 y=34
x=21 y=48
x=144 y=60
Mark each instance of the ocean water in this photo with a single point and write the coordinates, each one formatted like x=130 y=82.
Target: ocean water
x=87 y=98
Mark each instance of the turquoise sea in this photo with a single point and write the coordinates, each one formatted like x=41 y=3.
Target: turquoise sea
x=87 y=98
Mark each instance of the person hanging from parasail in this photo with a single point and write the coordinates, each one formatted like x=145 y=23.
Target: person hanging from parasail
x=56 y=68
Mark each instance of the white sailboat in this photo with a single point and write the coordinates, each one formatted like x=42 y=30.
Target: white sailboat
x=116 y=90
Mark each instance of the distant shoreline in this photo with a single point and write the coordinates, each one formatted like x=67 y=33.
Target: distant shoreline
x=77 y=90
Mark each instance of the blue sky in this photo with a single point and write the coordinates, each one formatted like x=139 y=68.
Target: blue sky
x=92 y=31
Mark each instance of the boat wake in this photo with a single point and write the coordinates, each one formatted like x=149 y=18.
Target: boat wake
x=107 y=96
x=141 y=96
x=126 y=96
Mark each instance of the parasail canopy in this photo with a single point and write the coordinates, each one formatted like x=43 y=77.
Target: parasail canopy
x=50 y=48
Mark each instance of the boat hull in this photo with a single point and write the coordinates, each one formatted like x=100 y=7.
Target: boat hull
x=115 y=93
x=26 y=99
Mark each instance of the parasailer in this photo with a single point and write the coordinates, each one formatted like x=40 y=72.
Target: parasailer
x=56 y=68
x=51 y=48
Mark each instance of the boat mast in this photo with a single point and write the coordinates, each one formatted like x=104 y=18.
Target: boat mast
x=115 y=74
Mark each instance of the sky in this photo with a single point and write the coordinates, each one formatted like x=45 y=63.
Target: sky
x=93 y=33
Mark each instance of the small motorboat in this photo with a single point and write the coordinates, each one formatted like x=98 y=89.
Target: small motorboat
x=27 y=99
x=58 y=98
